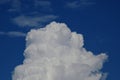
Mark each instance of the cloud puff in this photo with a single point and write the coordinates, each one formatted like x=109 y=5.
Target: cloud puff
x=31 y=21
x=13 y=34
x=56 y=53
x=79 y=4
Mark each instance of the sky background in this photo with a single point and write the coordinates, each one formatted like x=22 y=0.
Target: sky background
x=97 y=20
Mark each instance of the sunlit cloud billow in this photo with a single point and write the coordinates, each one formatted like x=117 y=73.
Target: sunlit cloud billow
x=56 y=53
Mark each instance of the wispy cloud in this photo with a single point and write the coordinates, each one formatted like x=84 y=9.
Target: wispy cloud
x=15 y=5
x=4 y=1
x=13 y=34
x=44 y=5
x=36 y=5
x=79 y=4
x=31 y=21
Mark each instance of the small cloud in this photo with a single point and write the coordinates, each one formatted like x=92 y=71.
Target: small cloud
x=30 y=21
x=13 y=34
x=17 y=34
x=79 y=4
x=73 y=4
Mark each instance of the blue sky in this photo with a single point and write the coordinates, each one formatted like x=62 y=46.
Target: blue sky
x=97 y=20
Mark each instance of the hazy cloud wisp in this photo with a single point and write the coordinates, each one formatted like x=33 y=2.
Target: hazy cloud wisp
x=4 y=1
x=13 y=34
x=31 y=21
x=44 y=5
x=79 y=4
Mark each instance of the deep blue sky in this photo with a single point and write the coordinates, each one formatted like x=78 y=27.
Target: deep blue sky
x=97 y=20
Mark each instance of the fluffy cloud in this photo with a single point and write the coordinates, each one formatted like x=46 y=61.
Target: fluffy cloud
x=33 y=21
x=56 y=53
x=13 y=34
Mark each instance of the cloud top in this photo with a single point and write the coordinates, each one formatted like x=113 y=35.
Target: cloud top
x=56 y=53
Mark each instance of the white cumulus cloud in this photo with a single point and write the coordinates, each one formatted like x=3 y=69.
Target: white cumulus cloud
x=56 y=53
